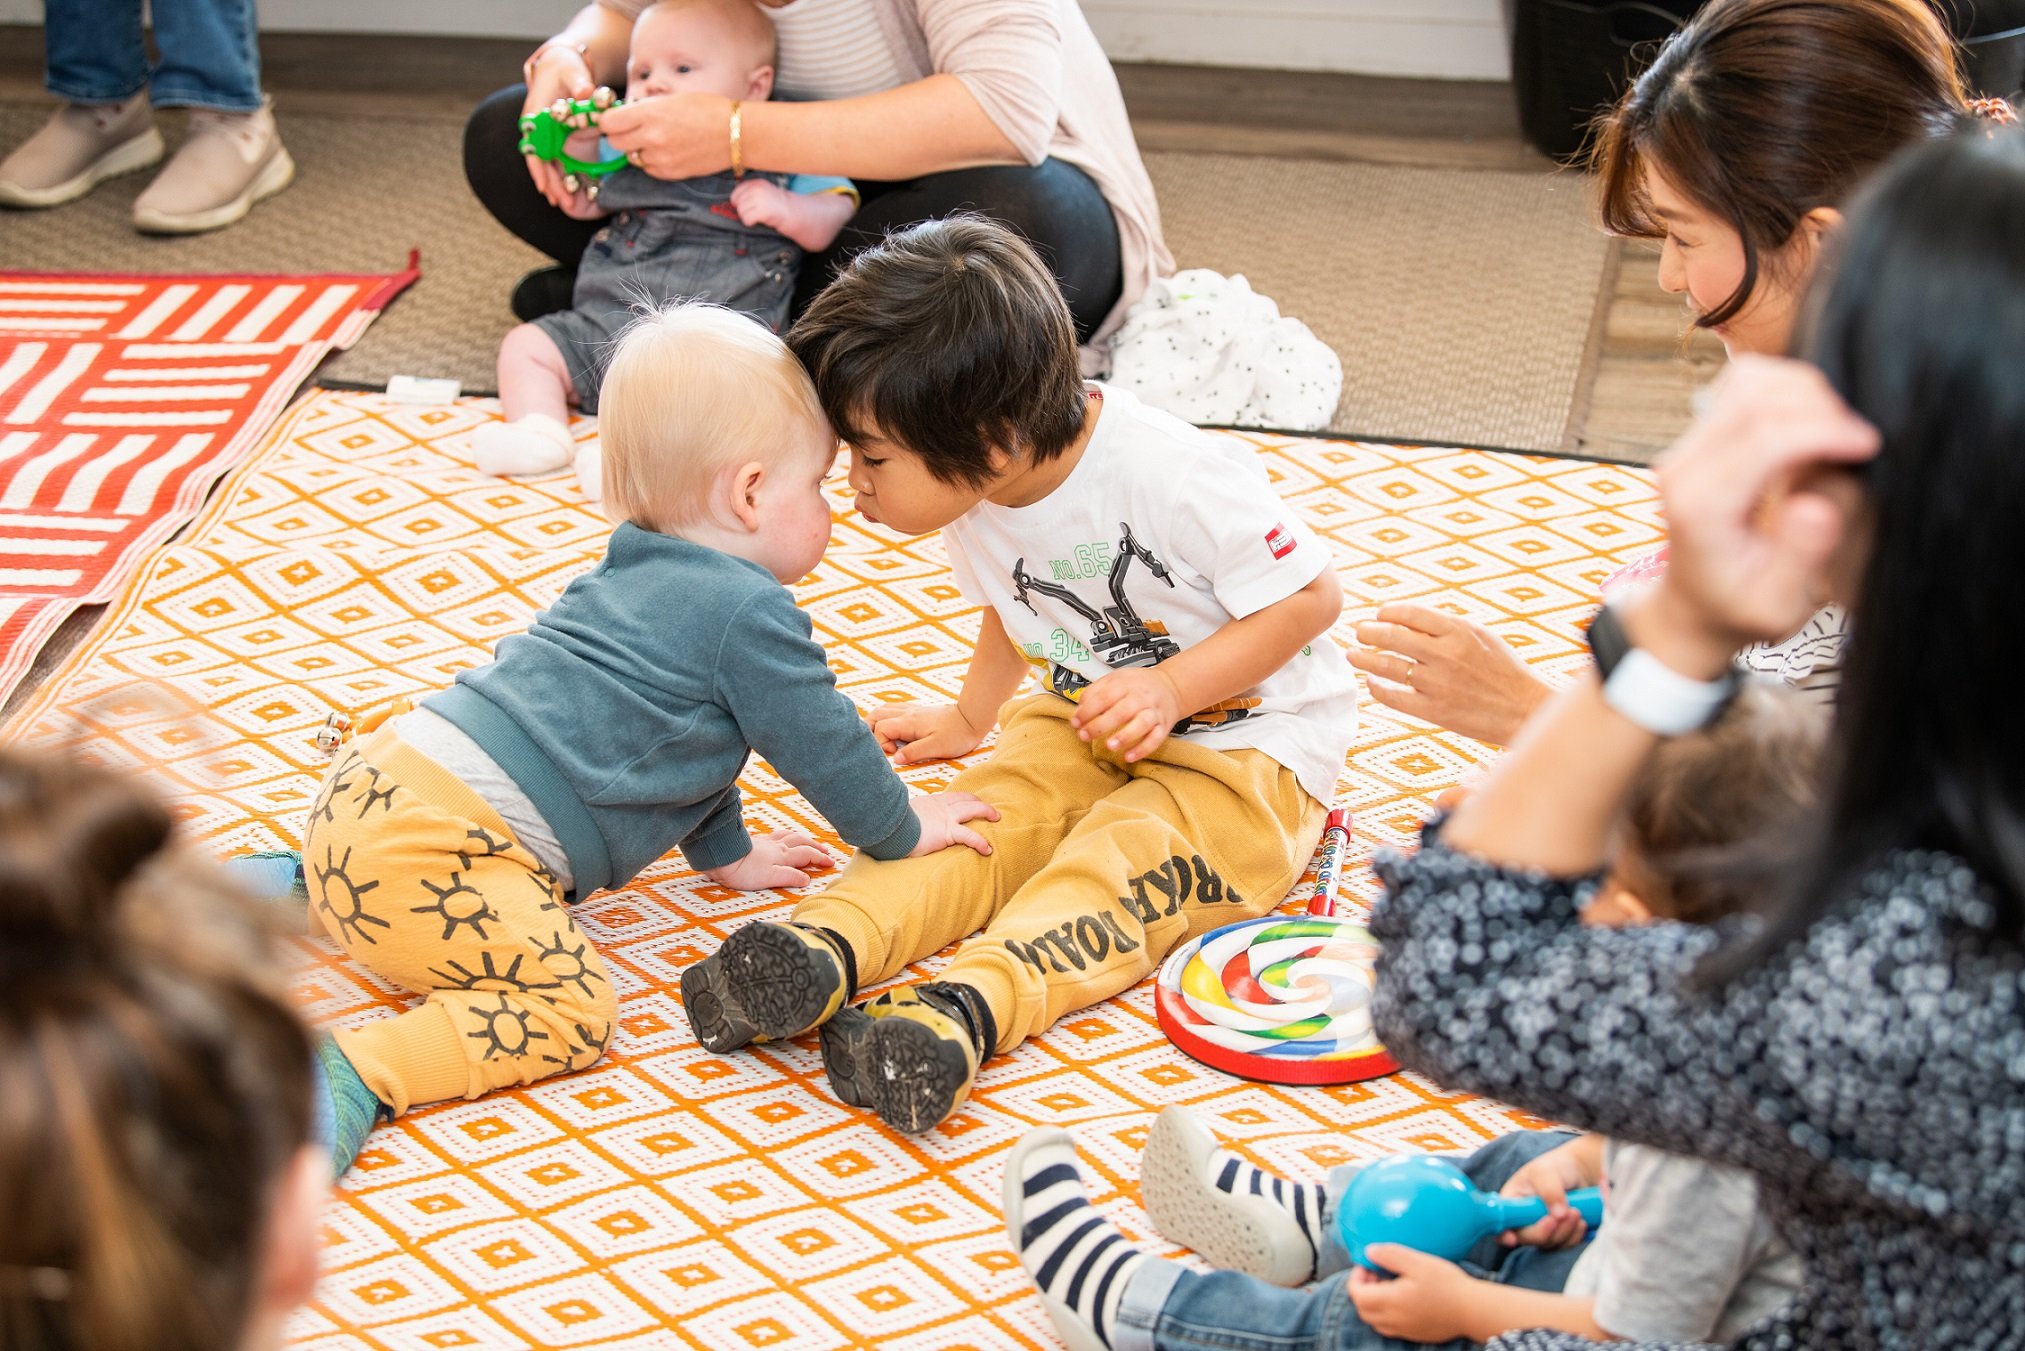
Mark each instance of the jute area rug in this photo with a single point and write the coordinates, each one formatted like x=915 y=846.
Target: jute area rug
x=1461 y=302
x=667 y=1197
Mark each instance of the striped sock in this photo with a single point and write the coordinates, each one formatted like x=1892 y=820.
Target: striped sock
x=1305 y=1201
x=1079 y=1259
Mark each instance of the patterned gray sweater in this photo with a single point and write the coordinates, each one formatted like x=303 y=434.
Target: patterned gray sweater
x=1872 y=1079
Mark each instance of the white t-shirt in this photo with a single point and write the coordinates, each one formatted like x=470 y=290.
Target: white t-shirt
x=832 y=49
x=1684 y=1254
x=1188 y=527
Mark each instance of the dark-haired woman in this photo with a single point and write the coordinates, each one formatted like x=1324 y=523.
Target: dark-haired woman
x=1735 y=150
x=1861 y=1051
x=158 y=1184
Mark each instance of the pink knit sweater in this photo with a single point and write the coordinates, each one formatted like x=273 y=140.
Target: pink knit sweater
x=1035 y=68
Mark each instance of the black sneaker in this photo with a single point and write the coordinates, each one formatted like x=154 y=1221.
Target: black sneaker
x=765 y=982
x=544 y=291
x=910 y=1055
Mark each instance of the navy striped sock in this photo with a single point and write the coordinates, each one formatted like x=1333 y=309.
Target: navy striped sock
x=1305 y=1201
x=1079 y=1259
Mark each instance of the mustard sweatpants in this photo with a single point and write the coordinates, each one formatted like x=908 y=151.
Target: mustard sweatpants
x=1098 y=869
x=423 y=884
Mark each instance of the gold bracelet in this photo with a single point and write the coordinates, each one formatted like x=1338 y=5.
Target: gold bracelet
x=737 y=150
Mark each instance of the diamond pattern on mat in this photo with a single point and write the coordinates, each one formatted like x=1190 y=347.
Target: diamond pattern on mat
x=667 y=1196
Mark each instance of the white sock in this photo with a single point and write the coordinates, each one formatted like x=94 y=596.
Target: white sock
x=535 y=444
x=1079 y=1259
x=591 y=471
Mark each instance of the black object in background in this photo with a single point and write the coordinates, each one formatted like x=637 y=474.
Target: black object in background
x=1572 y=58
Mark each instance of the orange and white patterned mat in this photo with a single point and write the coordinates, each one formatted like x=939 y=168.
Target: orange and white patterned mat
x=668 y=1197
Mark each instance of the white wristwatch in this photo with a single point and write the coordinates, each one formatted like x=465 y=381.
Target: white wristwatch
x=1648 y=691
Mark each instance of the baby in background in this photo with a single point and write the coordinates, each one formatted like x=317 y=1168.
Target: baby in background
x=448 y=845
x=732 y=240
x=1685 y=1253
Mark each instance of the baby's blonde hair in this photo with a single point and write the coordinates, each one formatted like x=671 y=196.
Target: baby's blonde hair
x=741 y=18
x=692 y=390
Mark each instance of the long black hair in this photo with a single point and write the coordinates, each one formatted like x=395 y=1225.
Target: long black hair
x=1921 y=328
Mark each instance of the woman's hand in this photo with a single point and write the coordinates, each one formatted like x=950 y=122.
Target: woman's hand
x=1754 y=525
x=673 y=135
x=557 y=71
x=782 y=859
x=911 y=733
x=1450 y=671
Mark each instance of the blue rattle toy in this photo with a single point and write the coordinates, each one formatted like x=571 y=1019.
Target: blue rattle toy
x=1428 y=1204
x=544 y=132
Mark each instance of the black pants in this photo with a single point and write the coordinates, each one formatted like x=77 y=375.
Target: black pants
x=1055 y=206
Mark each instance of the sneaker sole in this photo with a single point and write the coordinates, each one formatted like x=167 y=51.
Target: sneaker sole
x=897 y=1067
x=138 y=153
x=275 y=175
x=1239 y=1232
x=762 y=984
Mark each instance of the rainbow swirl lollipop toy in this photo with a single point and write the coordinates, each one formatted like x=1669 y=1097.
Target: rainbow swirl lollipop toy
x=1285 y=999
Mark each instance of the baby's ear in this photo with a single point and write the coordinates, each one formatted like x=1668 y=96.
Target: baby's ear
x=760 y=87
x=741 y=490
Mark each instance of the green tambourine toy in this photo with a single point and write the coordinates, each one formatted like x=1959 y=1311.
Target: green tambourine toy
x=544 y=133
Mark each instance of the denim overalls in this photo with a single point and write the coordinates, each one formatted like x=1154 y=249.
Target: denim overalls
x=668 y=241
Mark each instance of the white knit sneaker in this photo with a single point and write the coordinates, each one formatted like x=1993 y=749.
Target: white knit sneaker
x=228 y=162
x=81 y=146
x=1206 y=1198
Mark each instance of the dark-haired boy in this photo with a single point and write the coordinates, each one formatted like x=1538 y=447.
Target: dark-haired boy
x=1171 y=778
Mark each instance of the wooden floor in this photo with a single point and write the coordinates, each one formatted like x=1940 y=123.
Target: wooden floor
x=1643 y=373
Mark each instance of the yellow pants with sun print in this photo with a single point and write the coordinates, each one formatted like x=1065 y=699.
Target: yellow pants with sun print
x=419 y=881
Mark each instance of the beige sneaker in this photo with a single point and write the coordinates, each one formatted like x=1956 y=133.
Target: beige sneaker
x=228 y=162
x=80 y=147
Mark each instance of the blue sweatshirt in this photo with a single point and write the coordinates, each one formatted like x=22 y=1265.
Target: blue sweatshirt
x=627 y=710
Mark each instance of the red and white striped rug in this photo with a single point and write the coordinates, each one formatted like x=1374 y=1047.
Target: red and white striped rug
x=122 y=400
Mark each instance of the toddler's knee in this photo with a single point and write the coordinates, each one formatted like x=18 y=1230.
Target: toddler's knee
x=530 y=345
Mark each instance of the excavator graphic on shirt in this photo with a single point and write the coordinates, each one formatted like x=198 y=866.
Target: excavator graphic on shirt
x=1119 y=637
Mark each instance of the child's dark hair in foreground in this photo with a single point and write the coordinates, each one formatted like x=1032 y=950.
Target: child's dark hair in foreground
x=1684 y=1253
x=156 y=1179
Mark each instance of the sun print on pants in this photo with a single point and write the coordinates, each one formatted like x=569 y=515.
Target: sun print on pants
x=508 y=1030
x=458 y=903
x=334 y=870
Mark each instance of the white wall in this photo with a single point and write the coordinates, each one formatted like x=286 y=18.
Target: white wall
x=1442 y=39
x=1446 y=39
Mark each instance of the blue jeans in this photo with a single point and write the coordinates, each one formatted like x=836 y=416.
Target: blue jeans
x=210 y=53
x=1169 y=1307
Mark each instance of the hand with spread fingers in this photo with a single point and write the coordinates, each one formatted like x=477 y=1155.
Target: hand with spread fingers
x=1447 y=670
x=784 y=858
